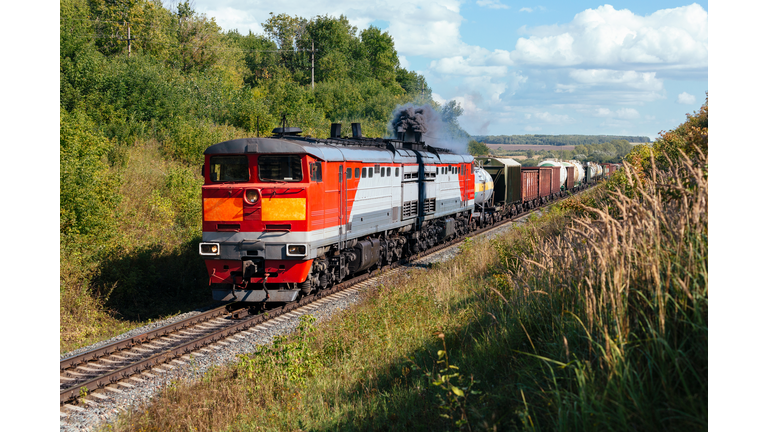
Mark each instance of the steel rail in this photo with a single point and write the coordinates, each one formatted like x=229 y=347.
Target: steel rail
x=95 y=354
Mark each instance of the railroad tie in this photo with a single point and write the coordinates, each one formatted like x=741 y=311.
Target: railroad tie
x=113 y=389
x=98 y=396
x=73 y=408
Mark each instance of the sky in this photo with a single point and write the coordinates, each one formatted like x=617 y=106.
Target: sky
x=545 y=67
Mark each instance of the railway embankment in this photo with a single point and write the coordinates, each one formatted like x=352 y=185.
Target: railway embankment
x=591 y=316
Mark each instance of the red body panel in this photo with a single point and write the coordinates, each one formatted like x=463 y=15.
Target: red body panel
x=571 y=179
x=530 y=183
x=555 y=185
x=545 y=181
x=291 y=271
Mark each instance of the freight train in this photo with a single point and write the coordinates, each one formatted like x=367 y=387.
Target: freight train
x=287 y=215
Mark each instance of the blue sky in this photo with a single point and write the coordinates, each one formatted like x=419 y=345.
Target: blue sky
x=547 y=67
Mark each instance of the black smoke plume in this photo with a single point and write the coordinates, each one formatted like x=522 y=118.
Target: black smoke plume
x=414 y=119
x=410 y=120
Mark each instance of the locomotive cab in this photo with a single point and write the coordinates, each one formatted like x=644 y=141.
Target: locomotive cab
x=255 y=205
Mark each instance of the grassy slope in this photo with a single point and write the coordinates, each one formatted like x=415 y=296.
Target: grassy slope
x=585 y=319
x=156 y=241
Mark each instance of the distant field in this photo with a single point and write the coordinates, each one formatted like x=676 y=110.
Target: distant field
x=529 y=147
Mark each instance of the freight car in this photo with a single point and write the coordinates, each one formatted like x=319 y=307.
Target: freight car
x=288 y=214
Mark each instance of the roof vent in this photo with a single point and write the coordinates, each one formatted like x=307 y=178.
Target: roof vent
x=357 y=131
x=335 y=130
x=292 y=131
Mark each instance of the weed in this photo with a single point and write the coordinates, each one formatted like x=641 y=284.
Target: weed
x=452 y=397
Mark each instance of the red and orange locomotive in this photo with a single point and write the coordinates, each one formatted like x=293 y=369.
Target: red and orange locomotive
x=289 y=214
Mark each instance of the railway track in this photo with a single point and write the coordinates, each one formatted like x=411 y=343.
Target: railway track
x=124 y=364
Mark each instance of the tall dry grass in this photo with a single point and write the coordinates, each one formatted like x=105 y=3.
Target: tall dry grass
x=617 y=306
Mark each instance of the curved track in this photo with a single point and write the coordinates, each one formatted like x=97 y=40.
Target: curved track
x=122 y=363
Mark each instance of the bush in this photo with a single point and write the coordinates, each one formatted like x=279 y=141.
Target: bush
x=87 y=189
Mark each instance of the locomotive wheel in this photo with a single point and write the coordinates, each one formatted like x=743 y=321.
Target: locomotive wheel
x=306 y=287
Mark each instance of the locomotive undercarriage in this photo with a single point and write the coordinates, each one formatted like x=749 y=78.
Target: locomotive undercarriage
x=378 y=250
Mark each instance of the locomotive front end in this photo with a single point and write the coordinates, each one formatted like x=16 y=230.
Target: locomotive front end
x=256 y=241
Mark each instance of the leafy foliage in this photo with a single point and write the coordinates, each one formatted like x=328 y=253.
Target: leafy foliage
x=87 y=189
x=478 y=148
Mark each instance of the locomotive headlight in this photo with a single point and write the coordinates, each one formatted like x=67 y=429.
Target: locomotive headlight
x=209 y=249
x=252 y=196
x=297 y=250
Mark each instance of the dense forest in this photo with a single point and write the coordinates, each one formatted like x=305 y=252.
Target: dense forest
x=557 y=140
x=144 y=90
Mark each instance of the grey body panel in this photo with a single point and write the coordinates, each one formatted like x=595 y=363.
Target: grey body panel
x=451 y=158
x=405 y=156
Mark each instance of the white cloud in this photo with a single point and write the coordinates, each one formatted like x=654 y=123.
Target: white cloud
x=530 y=10
x=403 y=62
x=627 y=113
x=646 y=81
x=460 y=66
x=621 y=113
x=492 y=4
x=619 y=39
x=548 y=118
x=686 y=99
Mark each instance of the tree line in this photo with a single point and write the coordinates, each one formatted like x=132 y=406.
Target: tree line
x=613 y=151
x=557 y=140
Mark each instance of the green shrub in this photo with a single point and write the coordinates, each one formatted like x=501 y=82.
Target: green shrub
x=87 y=189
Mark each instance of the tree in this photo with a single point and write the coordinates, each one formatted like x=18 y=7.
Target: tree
x=381 y=54
x=478 y=148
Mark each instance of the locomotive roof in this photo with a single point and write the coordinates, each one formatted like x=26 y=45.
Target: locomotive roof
x=329 y=153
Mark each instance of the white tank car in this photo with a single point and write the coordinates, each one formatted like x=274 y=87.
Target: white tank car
x=483 y=185
x=578 y=172
x=563 y=170
x=592 y=170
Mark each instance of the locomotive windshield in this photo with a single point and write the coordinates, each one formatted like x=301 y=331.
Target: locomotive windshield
x=229 y=168
x=280 y=168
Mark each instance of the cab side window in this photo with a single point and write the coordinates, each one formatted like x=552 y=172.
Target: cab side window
x=316 y=171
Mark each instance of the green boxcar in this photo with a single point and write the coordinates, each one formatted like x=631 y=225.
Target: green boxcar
x=506 y=178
